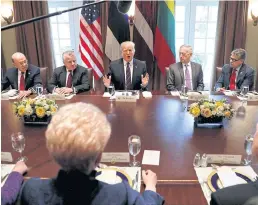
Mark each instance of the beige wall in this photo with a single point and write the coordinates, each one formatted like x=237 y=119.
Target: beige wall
x=8 y=39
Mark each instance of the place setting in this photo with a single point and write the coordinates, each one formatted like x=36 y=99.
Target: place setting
x=224 y=170
x=130 y=174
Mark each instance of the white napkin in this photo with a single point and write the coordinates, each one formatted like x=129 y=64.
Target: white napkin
x=175 y=93
x=228 y=177
x=106 y=95
x=147 y=94
x=229 y=93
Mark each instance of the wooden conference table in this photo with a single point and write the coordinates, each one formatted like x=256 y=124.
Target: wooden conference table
x=162 y=124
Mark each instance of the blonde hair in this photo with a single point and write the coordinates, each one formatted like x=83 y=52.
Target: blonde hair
x=77 y=135
x=127 y=42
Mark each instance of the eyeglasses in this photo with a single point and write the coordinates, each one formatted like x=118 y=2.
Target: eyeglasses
x=234 y=60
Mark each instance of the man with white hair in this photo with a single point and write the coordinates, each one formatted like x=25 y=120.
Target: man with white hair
x=69 y=78
x=237 y=74
x=127 y=73
x=185 y=72
x=23 y=76
x=76 y=137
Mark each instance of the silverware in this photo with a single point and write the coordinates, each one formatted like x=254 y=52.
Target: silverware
x=136 y=180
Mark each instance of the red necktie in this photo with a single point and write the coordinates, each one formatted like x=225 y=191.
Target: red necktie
x=22 y=82
x=232 y=85
x=69 y=80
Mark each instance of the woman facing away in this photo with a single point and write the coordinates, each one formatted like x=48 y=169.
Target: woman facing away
x=76 y=138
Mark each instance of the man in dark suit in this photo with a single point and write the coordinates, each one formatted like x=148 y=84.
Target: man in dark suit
x=185 y=72
x=238 y=194
x=69 y=78
x=237 y=74
x=23 y=76
x=127 y=73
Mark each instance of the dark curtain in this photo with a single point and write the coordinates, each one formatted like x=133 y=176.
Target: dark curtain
x=34 y=39
x=231 y=32
x=3 y=65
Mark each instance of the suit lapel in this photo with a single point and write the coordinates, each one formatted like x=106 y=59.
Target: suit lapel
x=63 y=77
x=181 y=71
x=27 y=78
x=241 y=73
x=193 y=75
x=122 y=72
x=15 y=83
x=134 y=73
x=75 y=75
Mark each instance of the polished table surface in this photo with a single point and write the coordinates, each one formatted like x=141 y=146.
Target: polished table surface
x=162 y=123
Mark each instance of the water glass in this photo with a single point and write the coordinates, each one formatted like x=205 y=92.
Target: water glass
x=134 y=145
x=39 y=89
x=184 y=90
x=244 y=91
x=111 y=90
x=18 y=144
x=248 y=149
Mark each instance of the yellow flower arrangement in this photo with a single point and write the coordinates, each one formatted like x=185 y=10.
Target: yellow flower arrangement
x=211 y=109
x=35 y=108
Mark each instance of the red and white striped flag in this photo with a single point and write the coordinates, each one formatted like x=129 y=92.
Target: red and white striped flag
x=91 y=39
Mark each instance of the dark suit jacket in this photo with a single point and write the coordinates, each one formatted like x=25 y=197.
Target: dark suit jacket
x=117 y=73
x=80 y=79
x=175 y=77
x=245 y=77
x=80 y=189
x=235 y=195
x=32 y=78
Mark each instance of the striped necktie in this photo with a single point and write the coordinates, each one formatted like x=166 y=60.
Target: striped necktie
x=128 y=83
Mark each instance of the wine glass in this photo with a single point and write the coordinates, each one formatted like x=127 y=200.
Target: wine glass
x=111 y=90
x=244 y=91
x=248 y=149
x=18 y=144
x=39 y=89
x=134 y=145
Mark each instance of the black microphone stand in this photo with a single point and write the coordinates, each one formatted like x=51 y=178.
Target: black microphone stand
x=48 y=15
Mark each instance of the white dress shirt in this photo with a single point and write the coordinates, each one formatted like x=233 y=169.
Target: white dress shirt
x=190 y=72
x=131 y=69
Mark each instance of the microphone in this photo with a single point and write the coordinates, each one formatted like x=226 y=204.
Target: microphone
x=123 y=6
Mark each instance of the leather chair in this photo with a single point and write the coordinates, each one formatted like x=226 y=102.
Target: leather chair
x=43 y=76
x=90 y=77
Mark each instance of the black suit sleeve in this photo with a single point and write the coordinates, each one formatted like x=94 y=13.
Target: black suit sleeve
x=170 y=79
x=249 y=79
x=36 y=79
x=52 y=83
x=200 y=84
x=5 y=83
x=84 y=86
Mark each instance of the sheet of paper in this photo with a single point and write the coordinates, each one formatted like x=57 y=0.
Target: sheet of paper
x=106 y=95
x=68 y=97
x=229 y=93
x=175 y=93
x=114 y=157
x=147 y=94
x=151 y=157
x=6 y=157
x=108 y=176
x=228 y=177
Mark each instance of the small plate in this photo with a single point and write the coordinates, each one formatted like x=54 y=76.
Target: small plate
x=122 y=175
x=214 y=182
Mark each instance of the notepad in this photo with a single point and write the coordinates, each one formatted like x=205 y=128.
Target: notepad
x=151 y=157
x=229 y=177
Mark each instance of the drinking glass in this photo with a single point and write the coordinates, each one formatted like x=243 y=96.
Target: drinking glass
x=39 y=89
x=244 y=91
x=184 y=90
x=18 y=144
x=134 y=145
x=111 y=90
x=248 y=149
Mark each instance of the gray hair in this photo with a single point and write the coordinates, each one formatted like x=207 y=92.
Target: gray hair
x=69 y=53
x=17 y=55
x=127 y=42
x=240 y=53
x=77 y=135
x=188 y=47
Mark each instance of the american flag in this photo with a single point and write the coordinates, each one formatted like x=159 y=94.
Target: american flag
x=91 y=39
